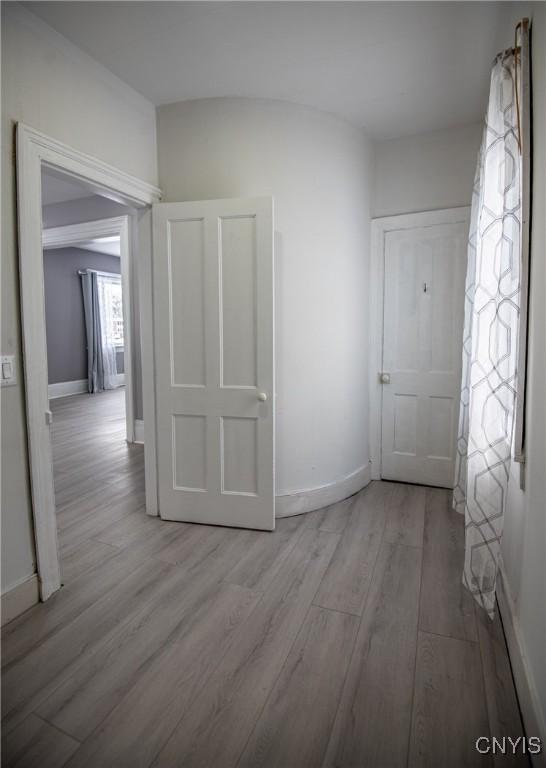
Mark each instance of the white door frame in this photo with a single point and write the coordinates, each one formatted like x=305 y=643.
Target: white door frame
x=84 y=233
x=35 y=150
x=379 y=229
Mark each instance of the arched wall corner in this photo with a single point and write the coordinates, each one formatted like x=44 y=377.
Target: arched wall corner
x=319 y=171
x=298 y=502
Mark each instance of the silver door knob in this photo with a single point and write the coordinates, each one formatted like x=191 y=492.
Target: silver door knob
x=385 y=378
x=262 y=397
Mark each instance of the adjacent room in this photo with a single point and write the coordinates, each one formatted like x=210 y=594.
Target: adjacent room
x=273 y=384
x=91 y=399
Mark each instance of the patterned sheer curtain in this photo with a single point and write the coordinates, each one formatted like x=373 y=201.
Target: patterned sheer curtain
x=492 y=304
x=101 y=350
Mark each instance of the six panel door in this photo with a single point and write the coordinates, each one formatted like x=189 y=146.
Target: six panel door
x=422 y=352
x=214 y=356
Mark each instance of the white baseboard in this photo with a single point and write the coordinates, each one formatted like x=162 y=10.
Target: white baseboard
x=139 y=431
x=298 y=502
x=531 y=711
x=64 y=388
x=20 y=598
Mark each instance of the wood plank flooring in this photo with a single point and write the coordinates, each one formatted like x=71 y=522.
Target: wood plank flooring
x=342 y=640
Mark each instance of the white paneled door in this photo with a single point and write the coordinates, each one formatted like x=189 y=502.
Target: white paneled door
x=424 y=272
x=214 y=353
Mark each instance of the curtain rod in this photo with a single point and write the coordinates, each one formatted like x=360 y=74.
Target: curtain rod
x=98 y=272
x=523 y=28
x=516 y=48
x=522 y=31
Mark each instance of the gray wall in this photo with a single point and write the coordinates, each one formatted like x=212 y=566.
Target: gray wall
x=65 y=327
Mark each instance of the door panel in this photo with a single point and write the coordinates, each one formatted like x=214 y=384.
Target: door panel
x=422 y=326
x=213 y=331
x=239 y=440
x=187 y=301
x=238 y=270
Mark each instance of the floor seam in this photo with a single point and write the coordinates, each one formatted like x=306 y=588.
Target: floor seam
x=448 y=637
x=55 y=726
x=352 y=654
x=292 y=644
x=408 y=749
x=337 y=610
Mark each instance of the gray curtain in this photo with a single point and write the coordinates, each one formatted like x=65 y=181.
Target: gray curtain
x=95 y=360
x=492 y=302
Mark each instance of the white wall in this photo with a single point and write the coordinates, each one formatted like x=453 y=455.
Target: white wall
x=318 y=169
x=53 y=87
x=524 y=541
x=425 y=172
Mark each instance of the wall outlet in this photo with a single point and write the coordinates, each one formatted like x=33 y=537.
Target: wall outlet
x=8 y=377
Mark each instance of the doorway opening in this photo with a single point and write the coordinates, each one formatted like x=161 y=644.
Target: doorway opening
x=89 y=304
x=104 y=184
x=97 y=468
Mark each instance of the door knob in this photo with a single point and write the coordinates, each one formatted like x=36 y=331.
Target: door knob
x=385 y=378
x=262 y=397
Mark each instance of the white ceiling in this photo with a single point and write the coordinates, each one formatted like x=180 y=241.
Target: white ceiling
x=58 y=190
x=107 y=245
x=394 y=68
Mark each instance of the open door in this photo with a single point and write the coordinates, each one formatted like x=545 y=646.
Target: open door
x=214 y=358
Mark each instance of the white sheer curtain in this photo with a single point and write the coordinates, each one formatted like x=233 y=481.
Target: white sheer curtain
x=106 y=310
x=492 y=303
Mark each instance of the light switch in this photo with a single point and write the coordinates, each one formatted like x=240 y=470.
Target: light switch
x=7 y=369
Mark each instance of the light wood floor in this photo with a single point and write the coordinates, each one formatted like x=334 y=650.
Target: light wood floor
x=344 y=639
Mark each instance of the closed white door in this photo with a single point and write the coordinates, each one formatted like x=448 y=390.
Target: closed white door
x=213 y=332
x=422 y=351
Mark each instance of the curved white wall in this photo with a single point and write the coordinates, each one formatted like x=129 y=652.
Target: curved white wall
x=318 y=169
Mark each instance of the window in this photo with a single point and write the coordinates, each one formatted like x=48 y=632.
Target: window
x=110 y=298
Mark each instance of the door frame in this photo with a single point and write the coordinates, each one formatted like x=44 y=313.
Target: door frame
x=34 y=150
x=87 y=231
x=379 y=229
